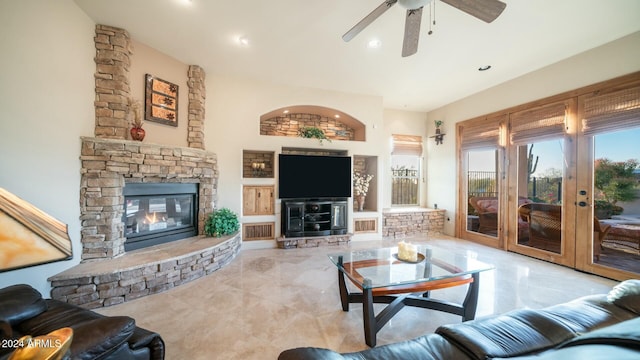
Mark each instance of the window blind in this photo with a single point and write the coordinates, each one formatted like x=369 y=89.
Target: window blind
x=407 y=145
x=541 y=123
x=483 y=133
x=611 y=111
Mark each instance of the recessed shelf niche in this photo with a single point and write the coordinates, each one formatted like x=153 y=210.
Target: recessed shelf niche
x=365 y=164
x=257 y=164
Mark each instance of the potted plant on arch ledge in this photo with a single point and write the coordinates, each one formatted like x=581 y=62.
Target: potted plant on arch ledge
x=361 y=187
x=313 y=132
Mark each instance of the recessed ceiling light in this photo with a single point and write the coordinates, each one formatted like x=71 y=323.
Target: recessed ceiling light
x=374 y=44
x=243 y=40
x=285 y=112
x=484 y=68
x=337 y=116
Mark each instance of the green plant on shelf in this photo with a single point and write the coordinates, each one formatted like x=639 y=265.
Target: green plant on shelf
x=313 y=132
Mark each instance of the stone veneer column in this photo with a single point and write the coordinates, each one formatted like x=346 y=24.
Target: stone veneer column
x=113 y=48
x=197 y=95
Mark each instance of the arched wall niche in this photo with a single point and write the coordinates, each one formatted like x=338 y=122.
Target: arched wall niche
x=287 y=121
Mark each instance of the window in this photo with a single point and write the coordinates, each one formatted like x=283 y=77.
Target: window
x=405 y=169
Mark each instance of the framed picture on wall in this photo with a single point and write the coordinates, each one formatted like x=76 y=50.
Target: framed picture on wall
x=28 y=235
x=161 y=101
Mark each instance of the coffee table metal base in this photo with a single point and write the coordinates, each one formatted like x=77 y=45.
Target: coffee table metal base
x=417 y=295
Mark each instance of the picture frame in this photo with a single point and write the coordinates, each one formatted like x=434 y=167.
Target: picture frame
x=29 y=236
x=161 y=101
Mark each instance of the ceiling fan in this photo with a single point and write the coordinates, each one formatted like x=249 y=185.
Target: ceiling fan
x=485 y=10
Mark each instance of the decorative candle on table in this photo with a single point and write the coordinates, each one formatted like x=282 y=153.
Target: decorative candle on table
x=407 y=251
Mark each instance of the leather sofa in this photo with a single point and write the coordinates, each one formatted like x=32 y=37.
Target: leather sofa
x=605 y=326
x=23 y=311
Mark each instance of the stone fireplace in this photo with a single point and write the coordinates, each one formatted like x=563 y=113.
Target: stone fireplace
x=113 y=270
x=108 y=165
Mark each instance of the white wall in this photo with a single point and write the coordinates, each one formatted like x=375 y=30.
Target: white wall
x=233 y=110
x=147 y=60
x=611 y=60
x=46 y=97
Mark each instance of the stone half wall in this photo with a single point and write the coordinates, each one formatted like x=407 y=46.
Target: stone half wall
x=401 y=223
x=107 y=165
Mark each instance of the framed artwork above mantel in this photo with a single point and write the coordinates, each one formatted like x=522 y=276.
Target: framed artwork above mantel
x=161 y=101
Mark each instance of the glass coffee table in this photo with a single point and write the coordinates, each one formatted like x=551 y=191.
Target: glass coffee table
x=383 y=278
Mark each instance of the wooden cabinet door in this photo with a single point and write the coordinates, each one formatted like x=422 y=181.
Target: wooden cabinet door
x=257 y=200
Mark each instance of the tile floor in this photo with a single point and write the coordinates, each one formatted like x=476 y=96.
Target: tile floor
x=269 y=300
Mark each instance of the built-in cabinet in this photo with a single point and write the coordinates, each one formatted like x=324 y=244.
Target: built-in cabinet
x=258 y=195
x=301 y=218
x=258 y=200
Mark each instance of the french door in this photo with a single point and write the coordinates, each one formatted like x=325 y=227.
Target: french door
x=541 y=182
x=608 y=182
x=560 y=181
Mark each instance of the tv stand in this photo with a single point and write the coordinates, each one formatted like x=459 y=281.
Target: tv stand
x=314 y=217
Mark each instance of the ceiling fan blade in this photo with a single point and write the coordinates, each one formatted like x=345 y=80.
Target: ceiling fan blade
x=411 y=32
x=485 y=10
x=368 y=19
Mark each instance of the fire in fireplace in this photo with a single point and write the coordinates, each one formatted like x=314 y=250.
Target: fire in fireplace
x=156 y=213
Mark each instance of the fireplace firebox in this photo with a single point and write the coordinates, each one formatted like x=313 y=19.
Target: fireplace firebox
x=156 y=213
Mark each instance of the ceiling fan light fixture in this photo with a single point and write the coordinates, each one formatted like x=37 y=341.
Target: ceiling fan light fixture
x=413 y=4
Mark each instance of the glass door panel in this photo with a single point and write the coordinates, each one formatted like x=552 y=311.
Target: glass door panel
x=539 y=214
x=483 y=200
x=616 y=200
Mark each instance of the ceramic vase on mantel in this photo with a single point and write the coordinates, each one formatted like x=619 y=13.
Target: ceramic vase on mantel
x=360 y=200
x=137 y=133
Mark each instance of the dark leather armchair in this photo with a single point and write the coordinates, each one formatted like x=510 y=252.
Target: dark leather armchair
x=23 y=311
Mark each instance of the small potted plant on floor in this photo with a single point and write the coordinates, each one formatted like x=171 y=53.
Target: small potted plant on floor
x=221 y=222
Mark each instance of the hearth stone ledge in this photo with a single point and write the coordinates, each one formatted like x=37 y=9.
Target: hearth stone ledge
x=313 y=241
x=143 y=272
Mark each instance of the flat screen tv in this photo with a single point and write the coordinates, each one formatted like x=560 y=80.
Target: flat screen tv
x=311 y=176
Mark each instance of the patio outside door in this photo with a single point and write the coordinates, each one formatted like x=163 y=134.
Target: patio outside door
x=481 y=196
x=541 y=180
x=609 y=183
x=559 y=179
